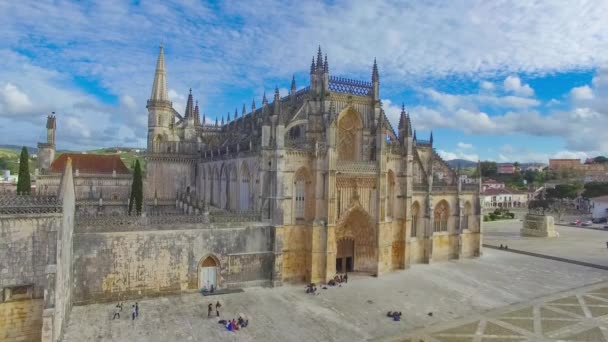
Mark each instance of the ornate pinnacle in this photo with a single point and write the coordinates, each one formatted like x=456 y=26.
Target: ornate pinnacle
x=319 y=59
x=293 y=83
x=228 y=119
x=222 y=120
x=264 y=100
x=375 y=76
x=236 y=114
x=312 y=65
x=252 y=105
x=325 y=65
x=431 y=138
x=244 y=111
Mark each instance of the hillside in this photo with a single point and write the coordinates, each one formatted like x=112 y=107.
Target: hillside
x=464 y=164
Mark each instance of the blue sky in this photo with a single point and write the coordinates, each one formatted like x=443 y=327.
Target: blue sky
x=501 y=80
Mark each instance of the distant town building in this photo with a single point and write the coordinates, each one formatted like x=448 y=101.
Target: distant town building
x=506 y=169
x=495 y=194
x=588 y=172
x=535 y=167
x=599 y=206
x=102 y=182
x=490 y=183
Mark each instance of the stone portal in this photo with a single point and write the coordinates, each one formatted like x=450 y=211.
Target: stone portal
x=208 y=273
x=345 y=258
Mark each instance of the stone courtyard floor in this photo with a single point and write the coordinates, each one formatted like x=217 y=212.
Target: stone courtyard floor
x=501 y=296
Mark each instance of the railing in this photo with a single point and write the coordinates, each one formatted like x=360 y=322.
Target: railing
x=420 y=187
x=445 y=188
x=300 y=144
x=348 y=86
x=29 y=204
x=357 y=166
x=422 y=142
x=470 y=187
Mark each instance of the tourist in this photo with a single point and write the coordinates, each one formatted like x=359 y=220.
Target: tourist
x=346 y=277
x=233 y=324
x=217 y=308
x=133 y=313
x=209 y=310
x=212 y=288
x=116 y=312
x=136 y=310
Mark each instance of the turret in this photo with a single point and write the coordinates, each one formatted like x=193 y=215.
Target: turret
x=319 y=73
x=197 y=115
x=402 y=125
x=375 y=82
x=46 y=151
x=189 y=112
x=431 y=139
x=160 y=111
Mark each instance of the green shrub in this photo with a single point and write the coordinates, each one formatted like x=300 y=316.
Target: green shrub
x=492 y=216
x=486 y=218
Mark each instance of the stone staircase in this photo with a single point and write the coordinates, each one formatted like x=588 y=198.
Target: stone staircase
x=21 y=320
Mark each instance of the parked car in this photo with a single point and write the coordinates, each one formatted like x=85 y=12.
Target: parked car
x=599 y=220
x=587 y=224
x=606 y=227
x=575 y=223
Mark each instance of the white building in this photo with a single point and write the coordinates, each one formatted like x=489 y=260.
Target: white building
x=599 y=206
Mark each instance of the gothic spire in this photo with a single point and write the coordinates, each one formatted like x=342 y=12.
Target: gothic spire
x=375 y=76
x=236 y=114
x=402 y=118
x=252 y=106
x=222 y=120
x=197 y=116
x=264 y=100
x=204 y=119
x=216 y=121
x=159 y=86
x=325 y=65
x=415 y=135
x=276 y=94
x=319 y=59
x=189 y=107
x=228 y=119
x=312 y=65
x=431 y=138
x=293 y=84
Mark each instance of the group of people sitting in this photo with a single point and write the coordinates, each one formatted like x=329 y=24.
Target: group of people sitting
x=338 y=280
x=396 y=316
x=311 y=288
x=209 y=289
x=234 y=324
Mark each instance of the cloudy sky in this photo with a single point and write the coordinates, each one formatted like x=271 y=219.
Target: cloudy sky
x=503 y=80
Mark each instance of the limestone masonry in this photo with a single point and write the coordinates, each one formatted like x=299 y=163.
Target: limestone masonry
x=305 y=186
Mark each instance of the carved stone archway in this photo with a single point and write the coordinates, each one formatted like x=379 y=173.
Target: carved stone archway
x=356 y=225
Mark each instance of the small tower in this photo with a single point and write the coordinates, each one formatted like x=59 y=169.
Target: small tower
x=375 y=82
x=160 y=110
x=402 y=125
x=46 y=151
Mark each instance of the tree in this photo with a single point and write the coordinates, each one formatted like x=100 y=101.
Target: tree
x=595 y=189
x=137 y=193
x=24 y=185
x=600 y=159
x=488 y=169
x=559 y=195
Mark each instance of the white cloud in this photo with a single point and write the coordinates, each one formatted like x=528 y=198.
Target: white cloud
x=14 y=100
x=513 y=84
x=464 y=145
x=457 y=155
x=486 y=85
x=582 y=93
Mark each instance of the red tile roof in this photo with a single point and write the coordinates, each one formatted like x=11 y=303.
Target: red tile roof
x=91 y=163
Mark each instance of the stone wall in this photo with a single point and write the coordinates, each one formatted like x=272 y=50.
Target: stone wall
x=21 y=320
x=27 y=246
x=155 y=260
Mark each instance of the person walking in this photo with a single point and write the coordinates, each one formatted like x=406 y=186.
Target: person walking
x=133 y=313
x=217 y=308
x=116 y=312
x=346 y=277
x=209 y=310
x=136 y=310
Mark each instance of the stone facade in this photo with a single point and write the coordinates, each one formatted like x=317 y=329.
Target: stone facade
x=538 y=226
x=323 y=165
x=135 y=257
x=36 y=263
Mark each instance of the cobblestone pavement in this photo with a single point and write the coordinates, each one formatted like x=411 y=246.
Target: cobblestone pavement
x=574 y=315
x=456 y=293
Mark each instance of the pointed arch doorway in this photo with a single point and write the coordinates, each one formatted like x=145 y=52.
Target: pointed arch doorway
x=208 y=269
x=345 y=256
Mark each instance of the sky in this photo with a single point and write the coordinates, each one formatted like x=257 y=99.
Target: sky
x=494 y=80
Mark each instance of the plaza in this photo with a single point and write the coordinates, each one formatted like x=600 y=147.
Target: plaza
x=501 y=296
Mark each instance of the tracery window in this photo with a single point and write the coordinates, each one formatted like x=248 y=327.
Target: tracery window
x=300 y=194
x=440 y=218
x=348 y=136
x=415 y=219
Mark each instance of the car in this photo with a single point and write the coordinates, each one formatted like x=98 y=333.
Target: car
x=587 y=224
x=575 y=223
x=606 y=226
x=599 y=220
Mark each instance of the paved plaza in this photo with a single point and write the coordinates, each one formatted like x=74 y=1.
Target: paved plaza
x=501 y=296
x=576 y=243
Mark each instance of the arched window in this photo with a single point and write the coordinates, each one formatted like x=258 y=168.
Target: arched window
x=157 y=143
x=244 y=204
x=349 y=131
x=466 y=214
x=415 y=219
x=390 y=198
x=300 y=196
x=440 y=217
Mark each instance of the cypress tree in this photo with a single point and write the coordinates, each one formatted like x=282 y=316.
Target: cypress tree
x=23 y=183
x=137 y=194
